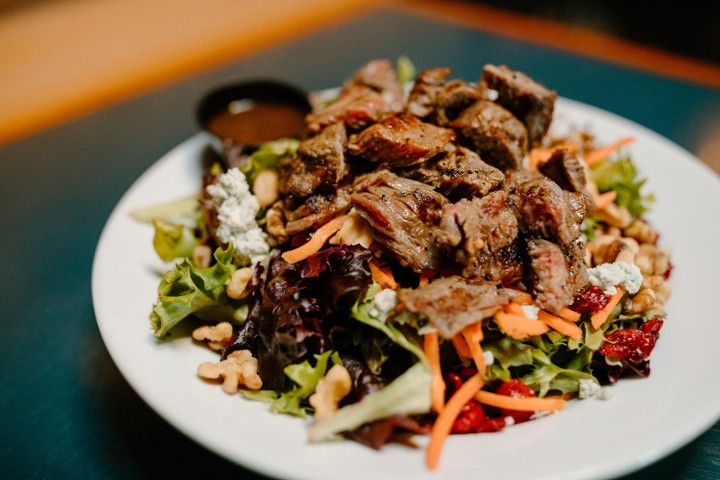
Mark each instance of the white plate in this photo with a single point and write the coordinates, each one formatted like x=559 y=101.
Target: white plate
x=645 y=419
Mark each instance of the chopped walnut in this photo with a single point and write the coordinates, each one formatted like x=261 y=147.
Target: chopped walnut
x=265 y=187
x=330 y=390
x=239 y=368
x=215 y=335
x=236 y=288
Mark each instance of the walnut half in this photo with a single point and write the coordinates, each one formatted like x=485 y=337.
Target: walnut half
x=239 y=368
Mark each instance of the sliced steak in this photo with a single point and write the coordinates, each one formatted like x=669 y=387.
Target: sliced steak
x=493 y=132
x=400 y=141
x=454 y=97
x=526 y=99
x=486 y=232
x=357 y=107
x=458 y=174
x=423 y=94
x=541 y=207
x=370 y=95
x=452 y=303
x=319 y=164
x=565 y=169
x=548 y=275
x=404 y=217
x=315 y=211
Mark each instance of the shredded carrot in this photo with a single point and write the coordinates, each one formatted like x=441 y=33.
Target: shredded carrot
x=566 y=327
x=445 y=420
x=601 y=316
x=425 y=277
x=461 y=346
x=568 y=314
x=383 y=276
x=315 y=243
x=519 y=327
x=604 y=199
x=522 y=298
x=531 y=404
x=599 y=154
x=431 y=346
x=473 y=336
x=540 y=155
x=514 y=308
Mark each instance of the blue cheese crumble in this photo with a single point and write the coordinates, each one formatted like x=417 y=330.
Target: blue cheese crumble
x=237 y=208
x=608 y=275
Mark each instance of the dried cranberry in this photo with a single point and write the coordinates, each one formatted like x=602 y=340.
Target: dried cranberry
x=668 y=270
x=470 y=416
x=515 y=388
x=632 y=344
x=592 y=299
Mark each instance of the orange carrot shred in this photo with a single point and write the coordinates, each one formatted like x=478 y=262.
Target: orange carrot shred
x=566 y=327
x=445 y=420
x=383 y=276
x=519 y=327
x=522 y=298
x=528 y=404
x=604 y=199
x=431 y=346
x=473 y=336
x=598 y=155
x=317 y=241
x=461 y=346
x=425 y=277
x=601 y=316
x=568 y=314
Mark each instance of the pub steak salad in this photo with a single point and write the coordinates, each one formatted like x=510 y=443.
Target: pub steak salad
x=429 y=257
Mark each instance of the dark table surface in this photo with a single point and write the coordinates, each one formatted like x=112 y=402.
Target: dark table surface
x=65 y=409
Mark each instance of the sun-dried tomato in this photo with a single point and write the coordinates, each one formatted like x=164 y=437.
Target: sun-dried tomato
x=515 y=388
x=668 y=271
x=592 y=299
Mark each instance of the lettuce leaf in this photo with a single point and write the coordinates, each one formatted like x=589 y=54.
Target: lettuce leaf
x=365 y=312
x=268 y=156
x=173 y=240
x=305 y=377
x=621 y=176
x=408 y=394
x=189 y=290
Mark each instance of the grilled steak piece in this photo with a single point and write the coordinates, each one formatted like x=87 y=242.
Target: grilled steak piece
x=423 y=94
x=541 y=207
x=315 y=210
x=494 y=133
x=486 y=232
x=548 y=275
x=454 y=97
x=320 y=162
x=404 y=217
x=372 y=94
x=566 y=170
x=452 y=303
x=458 y=174
x=526 y=99
x=400 y=141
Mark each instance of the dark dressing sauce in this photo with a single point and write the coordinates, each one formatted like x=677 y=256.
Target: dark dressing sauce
x=251 y=122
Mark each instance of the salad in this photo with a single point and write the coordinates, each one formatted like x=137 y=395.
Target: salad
x=429 y=257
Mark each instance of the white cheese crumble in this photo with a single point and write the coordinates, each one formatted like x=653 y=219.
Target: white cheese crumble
x=591 y=389
x=531 y=311
x=488 y=357
x=384 y=302
x=237 y=208
x=608 y=275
